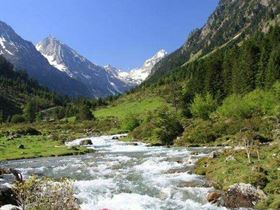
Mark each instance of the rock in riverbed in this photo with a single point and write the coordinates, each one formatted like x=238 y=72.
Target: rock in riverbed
x=243 y=196
x=237 y=196
x=8 y=196
x=86 y=142
x=214 y=197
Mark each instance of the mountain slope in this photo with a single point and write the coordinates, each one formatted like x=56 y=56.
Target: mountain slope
x=100 y=82
x=16 y=89
x=233 y=19
x=24 y=55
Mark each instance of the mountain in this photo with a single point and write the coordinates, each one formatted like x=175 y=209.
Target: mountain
x=99 y=80
x=16 y=89
x=23 y=55
x=136 y=76
x=232 y=20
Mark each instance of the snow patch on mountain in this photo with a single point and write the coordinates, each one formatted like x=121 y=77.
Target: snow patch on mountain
x=96 y=78
x=2 y=44
x=136 y=76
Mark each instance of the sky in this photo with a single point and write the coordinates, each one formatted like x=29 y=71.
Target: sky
x=123 y=33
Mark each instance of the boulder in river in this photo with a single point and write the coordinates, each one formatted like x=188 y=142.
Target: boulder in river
x=8 y=196
x=243 y=196
x=86 y=142
x=214 y=197
x=213 y=155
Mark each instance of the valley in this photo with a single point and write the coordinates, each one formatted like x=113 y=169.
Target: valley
x=197 y=128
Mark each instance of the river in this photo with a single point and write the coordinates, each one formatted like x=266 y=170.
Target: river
x=121 y=176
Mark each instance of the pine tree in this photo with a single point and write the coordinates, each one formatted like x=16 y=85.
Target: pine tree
x=273 y=72
x=29 y=111
x=84 y=113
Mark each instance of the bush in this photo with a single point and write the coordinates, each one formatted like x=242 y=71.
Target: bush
x=17 y=119
x=159 y=127
x=203 y=106
x=46 y=194
x=131 y=122
x=84 y=113
x=255 y=103
x=199 y=132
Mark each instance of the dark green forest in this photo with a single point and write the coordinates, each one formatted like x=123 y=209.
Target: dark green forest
x=238 y=68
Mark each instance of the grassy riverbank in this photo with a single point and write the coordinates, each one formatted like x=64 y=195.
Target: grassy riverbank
x=35 y=146
x=232 y=166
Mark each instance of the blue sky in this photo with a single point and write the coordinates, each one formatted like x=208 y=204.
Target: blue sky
x=123 y=33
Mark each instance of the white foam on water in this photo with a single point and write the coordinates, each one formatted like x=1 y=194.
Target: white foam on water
x=127 y=201
x=9 y=207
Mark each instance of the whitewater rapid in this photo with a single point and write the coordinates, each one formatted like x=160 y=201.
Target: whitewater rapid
x=122 y=176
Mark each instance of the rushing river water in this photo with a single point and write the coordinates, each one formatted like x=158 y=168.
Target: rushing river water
x=119 y=176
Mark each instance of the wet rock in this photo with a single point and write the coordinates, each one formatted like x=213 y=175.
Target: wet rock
x=243 y=196
x=132 y=144
x=178 y=170
x=8 y=196
x=194 y=153
x=213 y=155
x=21 y=146
x=214 y=197
x=86 y=142
x=13 y=136
x=115 y=138
x=156 y=145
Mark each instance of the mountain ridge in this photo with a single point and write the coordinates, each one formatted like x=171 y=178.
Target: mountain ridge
x=23 y=55
x=231 y=18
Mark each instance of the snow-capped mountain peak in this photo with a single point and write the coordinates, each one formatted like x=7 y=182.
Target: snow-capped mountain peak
x=138 y=75
x=98 y=79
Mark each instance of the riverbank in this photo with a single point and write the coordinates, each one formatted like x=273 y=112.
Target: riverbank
x=18 y=141
x=222 y=170
x=33 y=147
x=231 y=166
x=122 y=175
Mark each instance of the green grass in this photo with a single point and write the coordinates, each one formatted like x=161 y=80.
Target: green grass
x=264 y=173
x=124 y=108
x=35 y=146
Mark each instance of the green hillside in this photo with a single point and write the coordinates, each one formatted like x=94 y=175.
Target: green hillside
x=232 y=20
x=16 y=89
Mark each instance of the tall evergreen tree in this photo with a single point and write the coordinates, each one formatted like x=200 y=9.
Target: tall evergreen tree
x=273 y=72
x=29 y=111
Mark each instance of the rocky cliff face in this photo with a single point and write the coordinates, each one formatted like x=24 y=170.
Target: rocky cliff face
x=232 y=20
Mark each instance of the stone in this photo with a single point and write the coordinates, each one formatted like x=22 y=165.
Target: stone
x=86 y=142
x=8 y=196
x=194 y=153
x=21 y=146
x=132 y=143
x=214 y=197
x=115 y=138
x=243 y=196
x=213 y=155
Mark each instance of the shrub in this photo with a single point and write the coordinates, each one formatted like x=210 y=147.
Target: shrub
x=258 y=102
x=84 y=113
x=199 y=132
x=203 y=106
x=131 y=122
x=17 y=119
x=46 y=194
x=162 y=127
